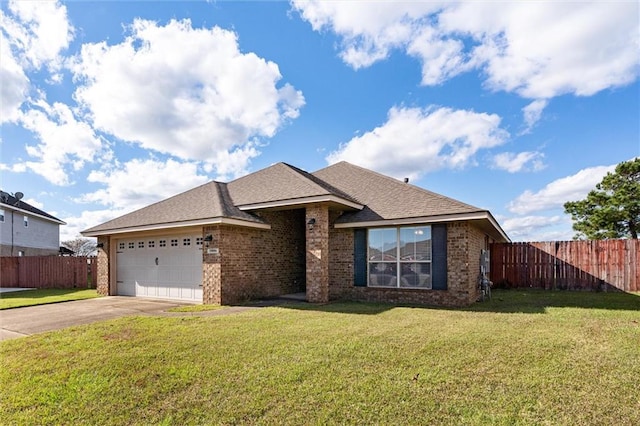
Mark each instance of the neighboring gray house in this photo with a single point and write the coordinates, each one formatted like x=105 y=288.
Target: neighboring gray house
x=26 y=230
x=343 y=232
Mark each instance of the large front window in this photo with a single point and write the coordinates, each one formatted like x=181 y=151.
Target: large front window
x=400 y=257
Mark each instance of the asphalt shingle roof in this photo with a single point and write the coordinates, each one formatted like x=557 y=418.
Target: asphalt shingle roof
x=207 y=201
x=387 y=198
x=280 y=182
x=12 y=202
x=383 y=197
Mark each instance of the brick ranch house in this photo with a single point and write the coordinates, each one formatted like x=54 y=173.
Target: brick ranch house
x=343 y=232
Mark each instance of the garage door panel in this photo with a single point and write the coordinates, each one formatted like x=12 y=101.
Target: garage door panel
x=164 y=267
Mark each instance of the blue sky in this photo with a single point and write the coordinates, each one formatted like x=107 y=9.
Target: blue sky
x=516 y=107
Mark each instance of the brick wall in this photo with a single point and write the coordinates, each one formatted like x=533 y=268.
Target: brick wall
x=464 y=243
x=211 y=267
x=317 y=250
x=477 y=242
x=103 y=280
x=255 y=263
x=340 y=260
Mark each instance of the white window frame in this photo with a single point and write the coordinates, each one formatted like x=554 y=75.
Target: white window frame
x=398 y=263
x=25 y=221
x=2 y=215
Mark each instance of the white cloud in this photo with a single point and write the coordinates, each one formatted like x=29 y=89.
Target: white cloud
x=138 y=183
x=33 y=35
x=558 y=192
x=86 y=219
x=15 y=84
x=14 y=168
x=40 y=30
x=414 y=141
x=442 y=58
x=536 y=49
x=66 y=144
x=185 y=92
x=545 y=227
x=522 y=161
x=532 y=113
x=35 y=203
x=368 y=33
x=535 y=228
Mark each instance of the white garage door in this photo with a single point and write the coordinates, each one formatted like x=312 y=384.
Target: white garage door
x=166 y=267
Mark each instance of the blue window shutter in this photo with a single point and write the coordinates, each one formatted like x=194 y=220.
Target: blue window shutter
x=439 y=256
x=360 y=257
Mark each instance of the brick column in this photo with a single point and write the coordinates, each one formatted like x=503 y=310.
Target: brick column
x=211 y=268
x=317 y=248
x=104 y=267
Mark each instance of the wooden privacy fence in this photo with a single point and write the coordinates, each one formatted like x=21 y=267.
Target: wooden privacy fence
x=567 y=265
x=48 y=272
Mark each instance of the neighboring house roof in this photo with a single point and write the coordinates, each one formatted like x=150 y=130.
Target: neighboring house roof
x=65 y=250
x=368 y=199
x=10 y=202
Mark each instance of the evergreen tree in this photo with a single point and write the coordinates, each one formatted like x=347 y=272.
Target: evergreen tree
x=612 y=210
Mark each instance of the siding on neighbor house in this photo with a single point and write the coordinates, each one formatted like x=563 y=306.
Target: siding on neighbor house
x=40 y=238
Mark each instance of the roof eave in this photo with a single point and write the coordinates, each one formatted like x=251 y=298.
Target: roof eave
x=299 y=202
x=484 y=215
x=175 y=225
x=30 y=213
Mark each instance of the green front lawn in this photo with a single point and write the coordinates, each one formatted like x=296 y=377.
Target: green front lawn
x=18 y=299
x=523 y=358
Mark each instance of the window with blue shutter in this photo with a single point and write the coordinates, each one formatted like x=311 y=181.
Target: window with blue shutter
x=401 y=257
x=360 y=257
x=439 y=244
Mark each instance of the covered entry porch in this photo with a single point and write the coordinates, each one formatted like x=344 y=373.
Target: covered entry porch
x=290 y=256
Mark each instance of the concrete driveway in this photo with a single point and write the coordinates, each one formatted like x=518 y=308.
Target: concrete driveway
x=20 y=322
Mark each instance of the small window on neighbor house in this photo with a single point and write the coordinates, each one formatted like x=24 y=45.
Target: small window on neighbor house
x=120 y=246
x=151 y=244
x=1 y=215
x=186 y=241
x=20 y=253
x=132 y=245
x=26 y=221
x=174 y=243
x=162 y=243
x=140 y=244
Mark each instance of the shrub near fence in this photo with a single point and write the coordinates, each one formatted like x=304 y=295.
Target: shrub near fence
x=48 y=272
x=598 y=265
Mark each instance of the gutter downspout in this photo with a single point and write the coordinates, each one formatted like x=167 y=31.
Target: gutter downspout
x=12 y=212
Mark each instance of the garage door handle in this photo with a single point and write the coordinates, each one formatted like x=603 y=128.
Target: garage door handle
x=156 y=261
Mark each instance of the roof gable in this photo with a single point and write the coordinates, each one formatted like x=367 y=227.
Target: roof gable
x=280 y=183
